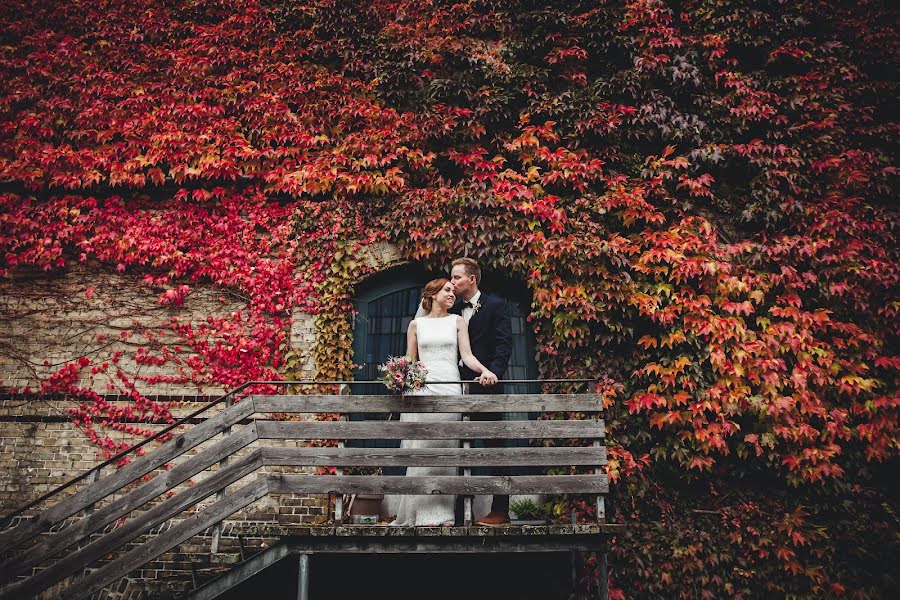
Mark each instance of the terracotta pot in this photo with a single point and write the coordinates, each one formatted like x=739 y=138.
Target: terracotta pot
x=367 y=504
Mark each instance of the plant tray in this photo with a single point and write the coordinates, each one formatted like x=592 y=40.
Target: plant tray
x=528 y=522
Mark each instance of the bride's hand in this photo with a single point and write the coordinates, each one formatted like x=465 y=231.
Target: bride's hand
x=487 y=378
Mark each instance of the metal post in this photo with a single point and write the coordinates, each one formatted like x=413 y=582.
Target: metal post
x=303 y=577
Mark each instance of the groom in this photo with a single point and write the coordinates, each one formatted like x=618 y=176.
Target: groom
x=490 y=333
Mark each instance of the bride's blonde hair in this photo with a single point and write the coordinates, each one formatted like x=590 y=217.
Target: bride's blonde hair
x=432 y=288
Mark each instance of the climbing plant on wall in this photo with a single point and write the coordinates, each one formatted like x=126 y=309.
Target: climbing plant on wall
x=698 y=195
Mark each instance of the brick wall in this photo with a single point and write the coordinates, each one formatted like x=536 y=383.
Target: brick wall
x=51 y=318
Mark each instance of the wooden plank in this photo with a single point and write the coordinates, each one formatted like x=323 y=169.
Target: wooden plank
x=600 y=505
x=443 y=430
x=467 y=472
x=95 y=475
x=217 y=529
x=461 y=403
x=132 y=528
x=477 y=486
x=166 y=540
x=154 y=459
x=339 y=498
x=434 y=457
x=59 y=541
x=240 y=573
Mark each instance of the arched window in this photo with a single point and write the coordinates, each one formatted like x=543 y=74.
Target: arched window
x=387 y=302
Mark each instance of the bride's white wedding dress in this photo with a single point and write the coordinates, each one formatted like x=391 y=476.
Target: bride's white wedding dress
x=437 y=346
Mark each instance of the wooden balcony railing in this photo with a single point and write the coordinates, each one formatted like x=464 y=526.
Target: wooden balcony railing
x=239 y=441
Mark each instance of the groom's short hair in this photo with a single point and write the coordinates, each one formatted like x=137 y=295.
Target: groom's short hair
x=471 y=267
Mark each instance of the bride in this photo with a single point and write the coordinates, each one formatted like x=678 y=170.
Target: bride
x=438 y=339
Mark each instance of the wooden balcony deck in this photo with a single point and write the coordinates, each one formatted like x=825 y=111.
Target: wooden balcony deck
x=461 y=539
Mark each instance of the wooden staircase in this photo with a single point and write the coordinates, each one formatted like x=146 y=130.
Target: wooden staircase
x=85 y=542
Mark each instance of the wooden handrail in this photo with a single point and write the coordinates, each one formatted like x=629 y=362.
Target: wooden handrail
x=444 y=484
x=6 y=519
x=587 y=403
x=117 y=457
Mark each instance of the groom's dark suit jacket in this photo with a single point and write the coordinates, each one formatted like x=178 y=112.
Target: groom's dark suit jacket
x=490 y=333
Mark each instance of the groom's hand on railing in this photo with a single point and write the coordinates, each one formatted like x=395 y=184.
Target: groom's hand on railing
x=486 y=378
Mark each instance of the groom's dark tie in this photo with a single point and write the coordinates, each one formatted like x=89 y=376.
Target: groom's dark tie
x=467 y=304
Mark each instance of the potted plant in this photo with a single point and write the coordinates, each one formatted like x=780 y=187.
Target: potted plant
x=364 y=509
x=528 y=512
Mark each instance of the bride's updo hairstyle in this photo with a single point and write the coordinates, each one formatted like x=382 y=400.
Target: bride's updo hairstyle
x=432 y=288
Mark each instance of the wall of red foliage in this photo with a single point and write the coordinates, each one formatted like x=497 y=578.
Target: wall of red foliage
x=698 y=194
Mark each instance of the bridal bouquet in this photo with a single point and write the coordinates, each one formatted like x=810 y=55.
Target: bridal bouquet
x=403 y=375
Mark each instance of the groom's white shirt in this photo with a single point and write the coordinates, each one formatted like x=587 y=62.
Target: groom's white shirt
x=468 y=311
